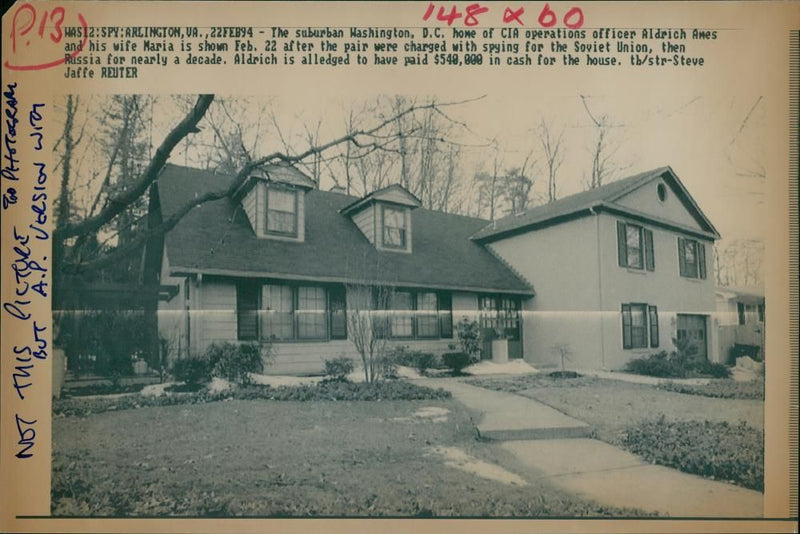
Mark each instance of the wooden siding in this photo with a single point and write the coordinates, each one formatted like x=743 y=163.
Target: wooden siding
x=172 y=314
x=217 y=319
x=213 y=319
x=365 y=221
x=250 y=203
x=645 y=199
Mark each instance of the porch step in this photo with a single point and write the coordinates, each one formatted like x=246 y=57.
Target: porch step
x=556 y=432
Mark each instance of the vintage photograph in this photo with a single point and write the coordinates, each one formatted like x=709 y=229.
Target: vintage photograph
x=409 y=305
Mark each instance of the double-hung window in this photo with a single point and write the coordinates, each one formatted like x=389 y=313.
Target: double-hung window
x=635 y=246
x=691 y=258
x=394 y=227
x=639 y=325
x=418 y=315
x=281 y=211
x=280 y=312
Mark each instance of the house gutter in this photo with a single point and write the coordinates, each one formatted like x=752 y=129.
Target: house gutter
x=600 y=288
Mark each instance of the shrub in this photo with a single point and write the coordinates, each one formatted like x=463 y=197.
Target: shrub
x=456 y=361
x=421 y=361
x=338 y=368
x=192 y=370
x=717 y=450
x=723 y=389
x=386 y=367
x=235 y=362
x=358 y=391
x=681 y=363
x=469 y=338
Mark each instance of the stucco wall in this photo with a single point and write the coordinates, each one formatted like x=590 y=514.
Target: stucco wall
x=580 y=288
x=645 y=199
x=561 y=263
x=663 y=287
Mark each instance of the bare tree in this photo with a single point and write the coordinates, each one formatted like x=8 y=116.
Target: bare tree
x=553 y=156
x=375 y=138
x=368 y=325
x=602 y=150
x=489 y=190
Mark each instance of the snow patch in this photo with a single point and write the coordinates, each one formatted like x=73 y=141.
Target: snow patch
x=513 y=367
x=455 y=457
x=218 y=385
x=279 y=380
x=157 y=390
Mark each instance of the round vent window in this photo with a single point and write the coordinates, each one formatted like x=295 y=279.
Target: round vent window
x=662 y=192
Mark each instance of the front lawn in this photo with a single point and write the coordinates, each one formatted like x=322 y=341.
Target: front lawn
x=269 y=458
x=711 y=436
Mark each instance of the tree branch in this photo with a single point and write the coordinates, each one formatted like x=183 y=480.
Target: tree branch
x=117 y=205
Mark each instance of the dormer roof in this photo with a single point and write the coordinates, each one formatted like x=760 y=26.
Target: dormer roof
x=277 y=173
x=392 y=194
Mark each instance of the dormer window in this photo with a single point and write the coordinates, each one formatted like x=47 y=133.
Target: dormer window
x=394 y=227
x=281 y=211
x=384 y=218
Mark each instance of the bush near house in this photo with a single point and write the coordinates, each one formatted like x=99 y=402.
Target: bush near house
x=421 y=361
x=717 y=450
x=235 y=362
x=456 y=361
x=684 y=362
x=469 y=338
x=192 y=371
x=671 y=365
x=337 y=369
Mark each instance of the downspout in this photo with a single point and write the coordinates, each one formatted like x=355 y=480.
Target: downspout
x=600 y=289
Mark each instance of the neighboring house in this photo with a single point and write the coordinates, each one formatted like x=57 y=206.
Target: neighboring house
x=741 y=317
x=618 y=271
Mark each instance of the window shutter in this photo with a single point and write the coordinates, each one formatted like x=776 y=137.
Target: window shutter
x=740 y=311
x=622 y=245
x=247 y=310
x=649 y=259
x=682 y=256
x=338 y=312
x=446 y=315
x=626 y=326
x=701 y=260
x=653 y=316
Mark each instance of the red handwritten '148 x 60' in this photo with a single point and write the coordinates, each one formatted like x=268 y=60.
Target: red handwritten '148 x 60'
x=547 y=18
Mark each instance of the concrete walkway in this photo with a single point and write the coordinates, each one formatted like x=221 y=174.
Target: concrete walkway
x=554 y=446
x=505 y=416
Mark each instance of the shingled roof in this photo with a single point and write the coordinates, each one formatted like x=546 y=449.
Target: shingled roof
x=600 y=198
x=216 y=238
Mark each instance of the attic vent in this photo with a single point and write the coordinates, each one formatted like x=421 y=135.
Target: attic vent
x=662 y=192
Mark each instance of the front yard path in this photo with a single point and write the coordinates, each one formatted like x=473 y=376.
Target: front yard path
x=594 y=469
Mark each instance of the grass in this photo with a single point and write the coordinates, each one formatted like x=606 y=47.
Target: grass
x=262 y=458
x=617 y=410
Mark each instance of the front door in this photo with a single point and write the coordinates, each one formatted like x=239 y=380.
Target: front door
x=693 y=328
x=500 y=319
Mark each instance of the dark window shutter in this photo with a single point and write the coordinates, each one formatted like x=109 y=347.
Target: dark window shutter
x=701 y=260
x=761 y=313
x=649 y=259
x=626 y=326
x=622 y=245
x=740 y=310
x=338 y=312
x=653 y=316
x=682 y=256
x=247 y=297
x=446 y=315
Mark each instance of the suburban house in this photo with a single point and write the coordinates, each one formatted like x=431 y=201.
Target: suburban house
x=611 y=274
x=740 y=312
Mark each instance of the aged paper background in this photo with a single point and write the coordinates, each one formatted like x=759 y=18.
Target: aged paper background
x=750 y=58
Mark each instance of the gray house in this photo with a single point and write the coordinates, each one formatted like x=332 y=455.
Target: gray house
x=613 y=273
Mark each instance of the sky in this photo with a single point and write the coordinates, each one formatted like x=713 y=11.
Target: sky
x=711 y=143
